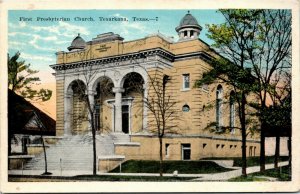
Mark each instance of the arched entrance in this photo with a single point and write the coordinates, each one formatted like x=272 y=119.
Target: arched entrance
x=103 y=110
x=132 y=103
x=76 y=113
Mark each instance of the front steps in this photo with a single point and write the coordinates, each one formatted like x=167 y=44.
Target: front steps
x=75 y=152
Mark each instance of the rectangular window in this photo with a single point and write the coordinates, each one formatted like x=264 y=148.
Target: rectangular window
x=186 y=151
x=192 y=33
x=185 y=33
x=167 y=150
x=186 y=81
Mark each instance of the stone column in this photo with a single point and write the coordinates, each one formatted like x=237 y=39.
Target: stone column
x=118 y=109
x=68 y=113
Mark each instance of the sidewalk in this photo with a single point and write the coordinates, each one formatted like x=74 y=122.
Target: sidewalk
x=224 y=176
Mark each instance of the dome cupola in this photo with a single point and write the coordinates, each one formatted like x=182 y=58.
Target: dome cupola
x=77 y=44
x=188 y=28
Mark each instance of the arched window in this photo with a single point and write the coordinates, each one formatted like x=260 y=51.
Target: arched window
x=219 y=96
x=232 y=112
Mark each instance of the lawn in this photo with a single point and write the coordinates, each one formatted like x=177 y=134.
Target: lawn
x=80 y=178
x=251 y=161
x=183 y=167
x=284 y=175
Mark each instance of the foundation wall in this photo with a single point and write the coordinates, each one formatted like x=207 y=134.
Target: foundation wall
x=199 y=148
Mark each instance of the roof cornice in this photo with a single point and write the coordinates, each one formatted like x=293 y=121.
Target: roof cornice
x=117 y=58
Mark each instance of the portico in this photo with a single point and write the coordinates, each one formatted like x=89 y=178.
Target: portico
x=118 y=71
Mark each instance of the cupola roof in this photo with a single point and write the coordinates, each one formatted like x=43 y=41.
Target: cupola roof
x=77 y=43
x=188 y=21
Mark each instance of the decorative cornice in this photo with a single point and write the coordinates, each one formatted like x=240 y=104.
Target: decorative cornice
x=115 y=59
x=203 y=55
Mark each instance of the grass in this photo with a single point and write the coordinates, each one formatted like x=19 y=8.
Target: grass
x=251 y=161
x=183 y=167
x=81 y=178
x=284 y=175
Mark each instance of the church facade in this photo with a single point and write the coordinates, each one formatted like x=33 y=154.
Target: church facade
x=120 y=79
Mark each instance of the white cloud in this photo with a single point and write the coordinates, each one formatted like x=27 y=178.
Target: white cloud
x=62 y=42
x=19 y=33
x=34 y=42
x=63 y=29
x=31 y=57
x=46 y=38
x=126 y=27
x=14 y=43
x=17 y=26
x=22 y=24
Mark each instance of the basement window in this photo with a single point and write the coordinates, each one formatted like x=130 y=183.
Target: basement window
x=186 y=151
x=167 y=149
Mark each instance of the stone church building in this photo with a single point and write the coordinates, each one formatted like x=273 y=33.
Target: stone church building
x=121 y=79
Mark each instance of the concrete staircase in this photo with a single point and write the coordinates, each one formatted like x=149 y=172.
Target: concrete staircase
x=76 y=152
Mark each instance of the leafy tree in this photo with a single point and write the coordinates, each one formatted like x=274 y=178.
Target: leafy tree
x=231 y=38
x=270 y=58
x=21 y=79
x=257 y=41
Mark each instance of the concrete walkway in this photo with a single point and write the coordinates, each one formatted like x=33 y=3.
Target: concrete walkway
x=224 y=176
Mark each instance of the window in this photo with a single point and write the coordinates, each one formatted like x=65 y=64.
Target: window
x=167 y=152
x=186 y=151
x=205 y=87
x=219 y=96
x=186 y=81
x=250 y=151
x=185 y=33
x=185 y=108
x=232 y=113
x=192 y=33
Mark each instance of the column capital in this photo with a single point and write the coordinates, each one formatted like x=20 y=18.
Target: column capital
x=118 y=90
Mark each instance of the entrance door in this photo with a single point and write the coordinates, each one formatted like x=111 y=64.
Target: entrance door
x=125 y=119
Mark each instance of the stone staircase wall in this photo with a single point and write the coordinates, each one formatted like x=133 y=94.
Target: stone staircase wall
x=75 y=152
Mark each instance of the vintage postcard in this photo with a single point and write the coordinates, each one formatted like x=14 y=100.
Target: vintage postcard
x=139 y=96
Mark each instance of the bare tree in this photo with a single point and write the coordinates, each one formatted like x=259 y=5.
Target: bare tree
x=159 y=102
x=88 y=72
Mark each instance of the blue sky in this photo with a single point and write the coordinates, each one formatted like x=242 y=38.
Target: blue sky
x=38 y=41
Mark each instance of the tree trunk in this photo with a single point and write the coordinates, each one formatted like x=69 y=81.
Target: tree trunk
x=160 y=157
x=290 y=150
x=277 y=151
x=94 y=152
x=45 y=155
x=244 y=136
x=92 y=123
x=262 y=147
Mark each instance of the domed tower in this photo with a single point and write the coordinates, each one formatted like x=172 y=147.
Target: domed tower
x=188 y=28
x=77 y=44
